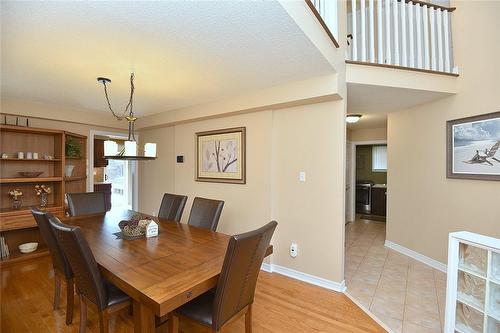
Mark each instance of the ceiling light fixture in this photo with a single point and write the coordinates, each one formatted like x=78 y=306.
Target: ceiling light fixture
x=352 y=118
x=129 y=151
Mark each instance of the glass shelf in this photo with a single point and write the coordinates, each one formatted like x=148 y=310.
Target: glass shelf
x=493 y=325
x=473 y=259
x=468 y=319
x=471 y=290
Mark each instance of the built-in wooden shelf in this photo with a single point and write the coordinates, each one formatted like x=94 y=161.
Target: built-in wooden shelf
x=29 y=180
x=30 y=159
x=72 y=179
x=75 y=158
x=16 y=256
x=27 y=209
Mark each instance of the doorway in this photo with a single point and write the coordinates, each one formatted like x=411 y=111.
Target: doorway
x=117 y=178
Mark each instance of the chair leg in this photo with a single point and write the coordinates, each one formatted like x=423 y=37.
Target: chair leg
x=173 y=323
x=57 y=290
x=83 y=315
x=70 y=292
x=104 y=321
x=248 y=320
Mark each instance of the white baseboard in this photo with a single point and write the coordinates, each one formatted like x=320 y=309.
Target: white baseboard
x=308 y=278
x=417 y=256
x=369 y=313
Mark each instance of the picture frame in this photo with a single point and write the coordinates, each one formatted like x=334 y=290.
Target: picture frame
x=473 y=147
x=221 y=156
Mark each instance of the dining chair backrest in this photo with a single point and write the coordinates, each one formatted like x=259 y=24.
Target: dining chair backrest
x=86 y=203
x=205 y=213
x=59 y=261
x=87 y=275
x=240 y=270
x=172 y=206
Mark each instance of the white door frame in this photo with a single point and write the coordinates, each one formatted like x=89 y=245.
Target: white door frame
x=352 y=174
x=134 y=167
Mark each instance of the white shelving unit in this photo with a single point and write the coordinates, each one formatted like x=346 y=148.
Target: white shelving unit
x=473 y=286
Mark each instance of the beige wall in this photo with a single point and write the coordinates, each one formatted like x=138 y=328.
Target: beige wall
x=423 y=205
x=280 y=143
x=367 y=134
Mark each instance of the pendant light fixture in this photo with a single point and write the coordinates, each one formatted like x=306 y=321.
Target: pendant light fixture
x=129 y=151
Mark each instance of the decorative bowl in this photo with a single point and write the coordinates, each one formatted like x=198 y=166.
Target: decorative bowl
x=28 y=247
x=30 y=174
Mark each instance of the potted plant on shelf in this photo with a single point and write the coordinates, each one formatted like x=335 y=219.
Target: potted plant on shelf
x=43 y=192
x=15 y=196
x=72 y=148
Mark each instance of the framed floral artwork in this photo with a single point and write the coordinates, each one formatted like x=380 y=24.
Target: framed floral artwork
x=221 y=156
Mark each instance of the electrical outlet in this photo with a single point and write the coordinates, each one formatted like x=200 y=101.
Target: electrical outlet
x=293 y=250
x=302 y=176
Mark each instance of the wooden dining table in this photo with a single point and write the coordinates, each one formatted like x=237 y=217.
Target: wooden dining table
x=159 y=273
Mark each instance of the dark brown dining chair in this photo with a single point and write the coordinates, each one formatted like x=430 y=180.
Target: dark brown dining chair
x=91 y=286
x=172 y=206
x=205 y=213
x=235 y=289
x=86 y=203
x=62 y=269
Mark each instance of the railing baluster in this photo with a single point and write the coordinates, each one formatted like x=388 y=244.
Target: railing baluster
x=404 y=56
x=354 y=34
x=396 y=32
x=388 y=32
x=440 y=40
x=447 y=60
x=362 y=33
x=426 y=37
x=371 y=30
x=432 y=22
x=411 y=23
x=380 y=42
x=409 y=33
x=419 y=36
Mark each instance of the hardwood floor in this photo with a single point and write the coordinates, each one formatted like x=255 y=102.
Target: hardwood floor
x=281 y=305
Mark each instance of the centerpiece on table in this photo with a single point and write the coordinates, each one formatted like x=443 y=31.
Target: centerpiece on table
x=137 y=227
x=43 y=192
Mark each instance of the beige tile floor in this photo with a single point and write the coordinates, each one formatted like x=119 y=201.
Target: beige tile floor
x=406 y=295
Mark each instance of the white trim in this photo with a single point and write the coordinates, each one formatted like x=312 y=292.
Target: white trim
x=417 y=256
x=304 y=277
x=368 y=312
x=352 y=174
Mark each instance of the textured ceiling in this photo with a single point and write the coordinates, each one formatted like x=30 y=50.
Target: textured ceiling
x=375 y=102
x=182 y=52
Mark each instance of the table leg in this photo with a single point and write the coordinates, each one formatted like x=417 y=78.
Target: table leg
x=144 y=318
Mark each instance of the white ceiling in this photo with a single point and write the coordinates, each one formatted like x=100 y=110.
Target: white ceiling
x=182 y=53
x=376 y=102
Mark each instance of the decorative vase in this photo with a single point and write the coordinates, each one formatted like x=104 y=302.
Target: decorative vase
x=68 y=171
x=44 y=199
x=16 y=203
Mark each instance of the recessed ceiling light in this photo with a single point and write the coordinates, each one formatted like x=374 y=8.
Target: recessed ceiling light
x=352 y=118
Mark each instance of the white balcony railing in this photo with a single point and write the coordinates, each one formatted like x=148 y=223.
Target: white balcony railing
x=326 y=12
x=405 y=33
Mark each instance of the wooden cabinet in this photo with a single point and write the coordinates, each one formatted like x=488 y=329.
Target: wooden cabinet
x=106 y=189
x=379 y=201
x=99 y=160
x=60 y=171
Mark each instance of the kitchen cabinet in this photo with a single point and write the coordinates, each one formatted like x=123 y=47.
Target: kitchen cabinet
x=379 y=200
x=99 y=160
x=106 y=189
